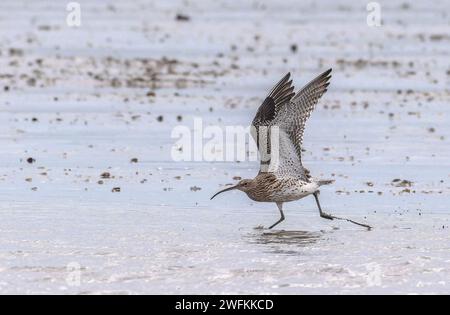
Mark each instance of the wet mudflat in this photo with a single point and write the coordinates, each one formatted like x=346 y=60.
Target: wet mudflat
x=88 y=180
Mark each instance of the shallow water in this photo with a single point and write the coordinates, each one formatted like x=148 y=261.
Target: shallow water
x=77 y=102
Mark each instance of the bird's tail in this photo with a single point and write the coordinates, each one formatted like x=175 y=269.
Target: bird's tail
x=322 y=182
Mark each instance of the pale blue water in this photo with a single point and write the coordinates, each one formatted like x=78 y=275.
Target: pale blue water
x=64 y=232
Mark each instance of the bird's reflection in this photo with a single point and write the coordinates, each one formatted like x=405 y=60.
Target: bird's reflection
x=284 y=242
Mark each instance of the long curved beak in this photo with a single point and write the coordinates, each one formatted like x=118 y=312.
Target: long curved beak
x=224 y=190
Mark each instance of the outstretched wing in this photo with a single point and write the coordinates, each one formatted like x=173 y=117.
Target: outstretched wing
x=294 y=118
x=280 y=95
x=289 y=118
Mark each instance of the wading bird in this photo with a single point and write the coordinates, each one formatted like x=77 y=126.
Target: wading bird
x=278 y=131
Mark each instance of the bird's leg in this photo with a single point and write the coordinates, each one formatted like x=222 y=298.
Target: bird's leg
x=331 y=217
x=322 y=214
x=280 y=207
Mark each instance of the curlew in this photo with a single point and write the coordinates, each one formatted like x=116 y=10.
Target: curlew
x=278 y=129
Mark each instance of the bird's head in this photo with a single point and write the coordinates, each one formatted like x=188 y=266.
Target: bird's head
x=244 y=185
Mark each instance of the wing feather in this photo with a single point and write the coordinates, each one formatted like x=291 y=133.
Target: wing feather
x=289 y=112
x=280 y=94
x=302 y=105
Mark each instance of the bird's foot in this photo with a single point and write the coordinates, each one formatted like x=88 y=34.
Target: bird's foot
x=327 y=216
x=276 y=223
x=332 y=217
